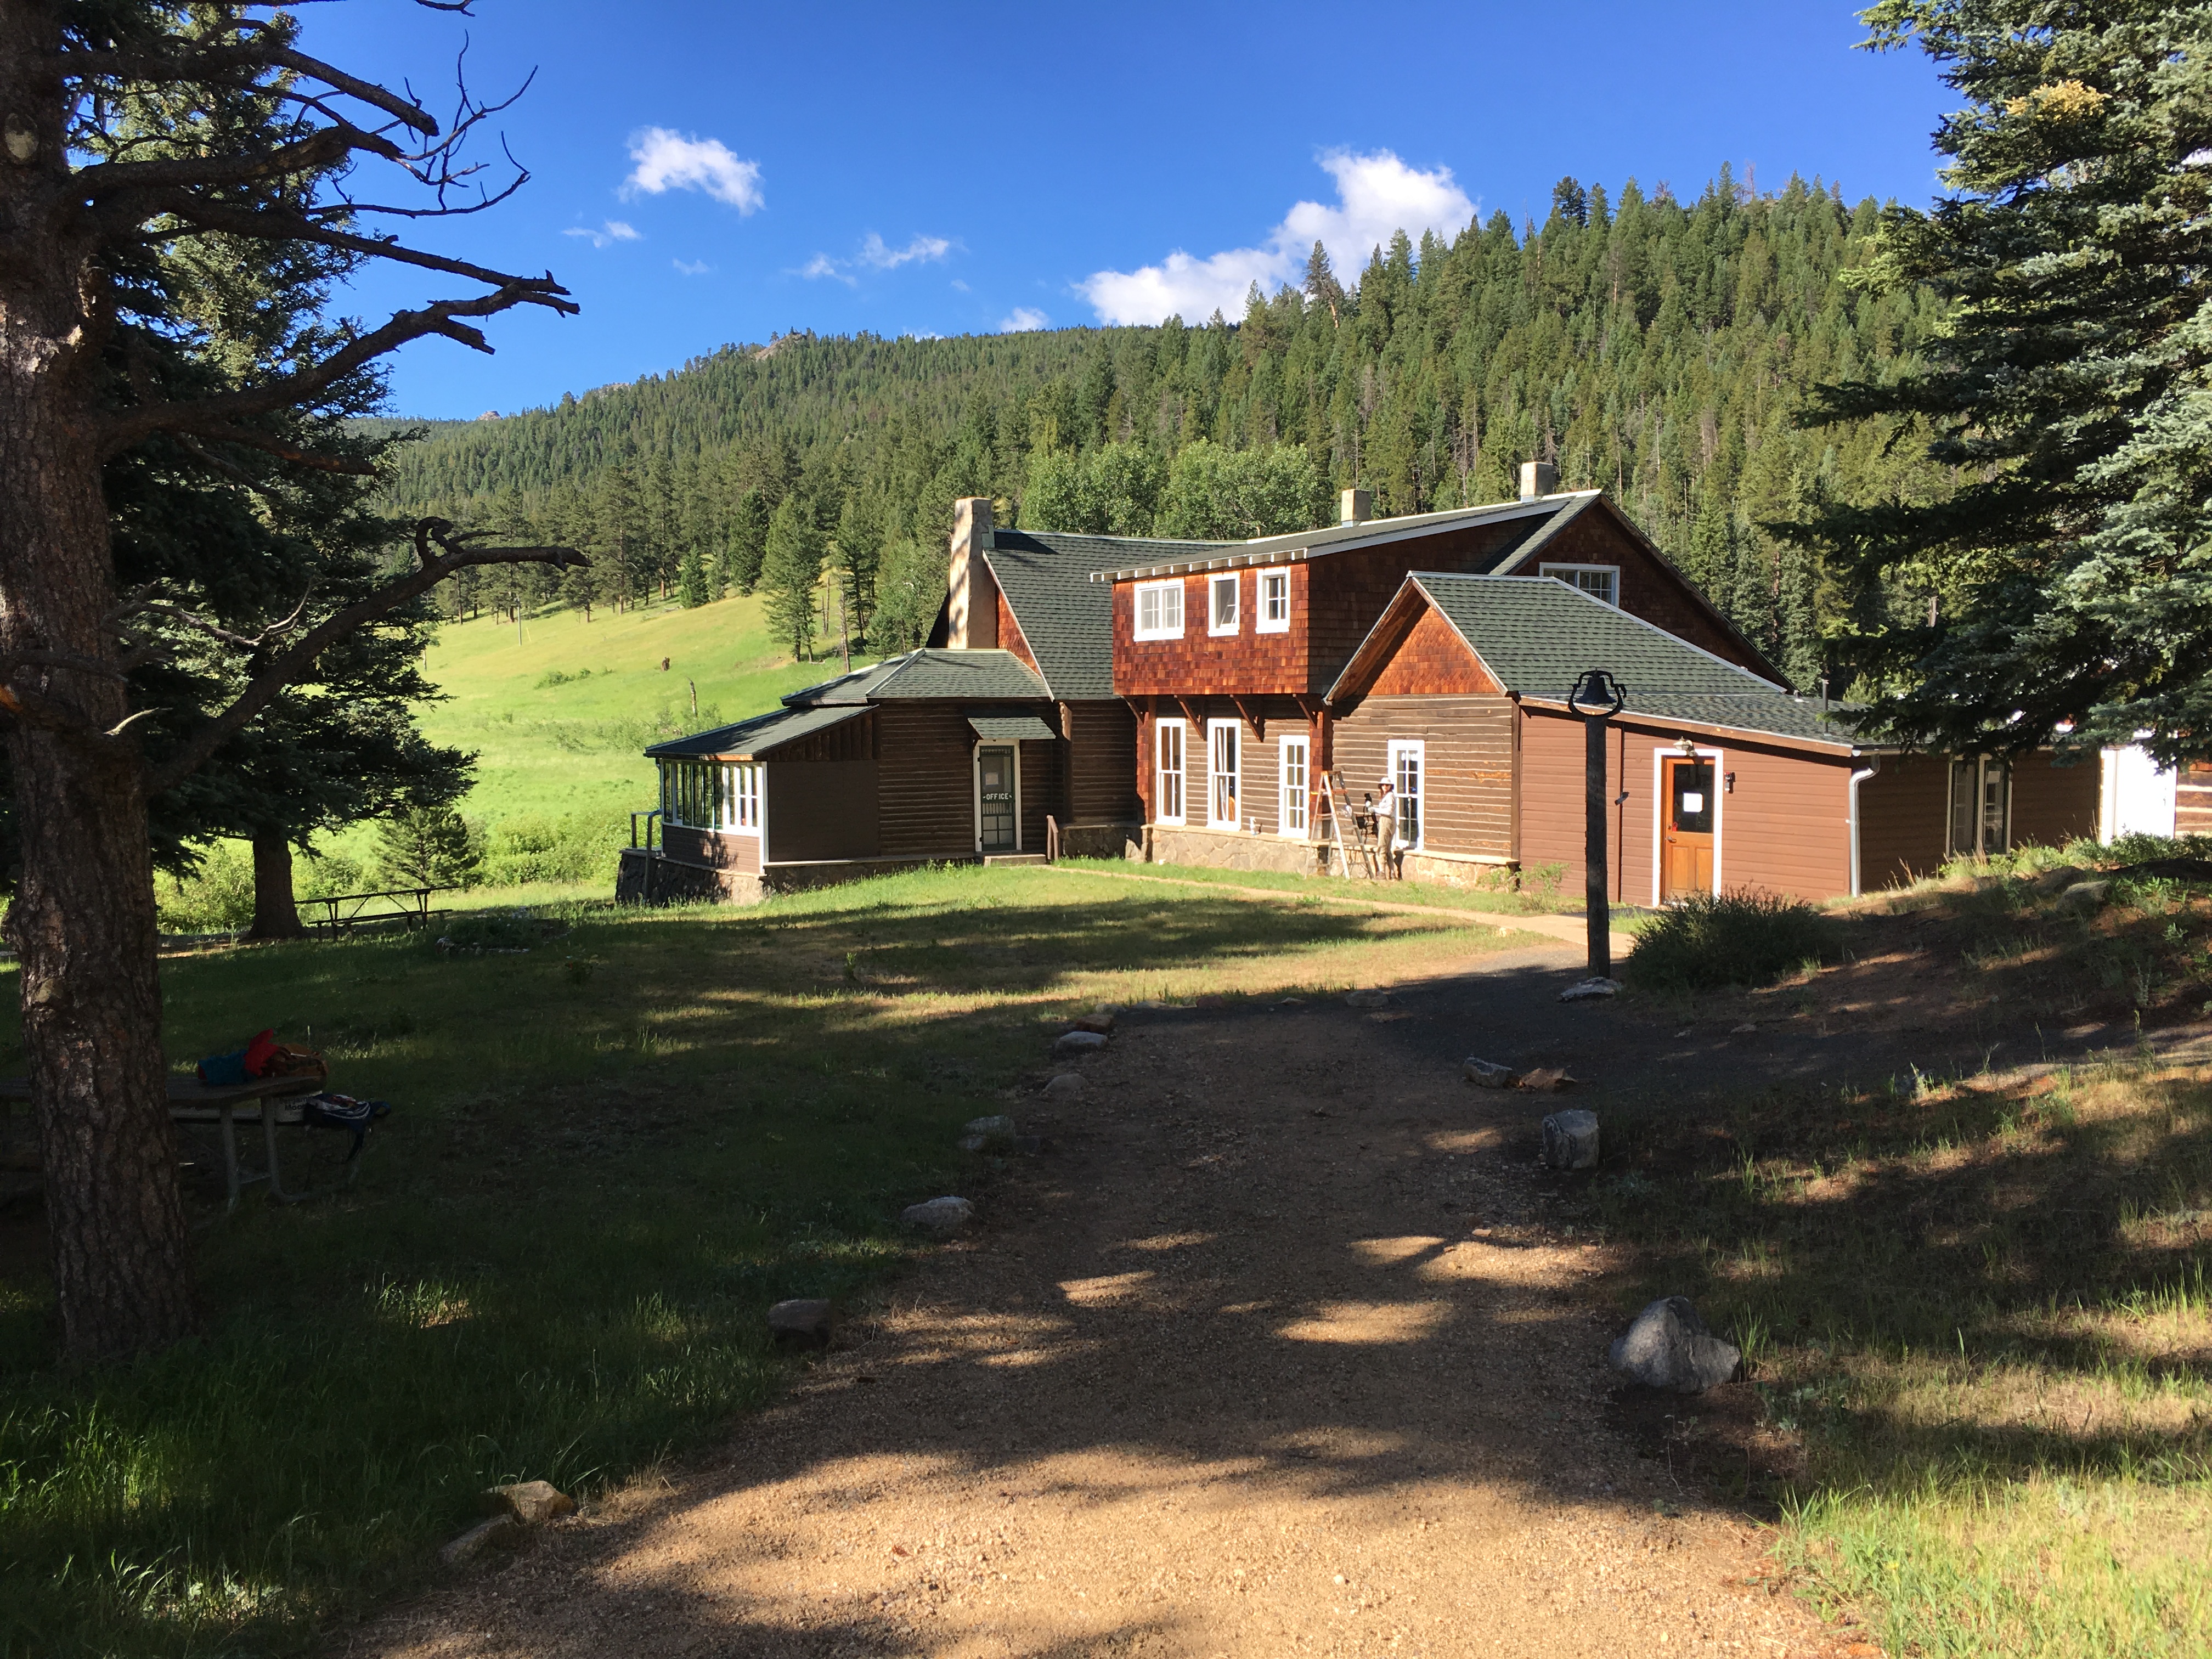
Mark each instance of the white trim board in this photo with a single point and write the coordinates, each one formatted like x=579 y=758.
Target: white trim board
x=1660 y=756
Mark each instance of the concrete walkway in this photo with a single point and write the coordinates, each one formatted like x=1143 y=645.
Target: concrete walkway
x=1571 y=930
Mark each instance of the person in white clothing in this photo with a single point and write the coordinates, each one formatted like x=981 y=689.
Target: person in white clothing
x=1386 y=830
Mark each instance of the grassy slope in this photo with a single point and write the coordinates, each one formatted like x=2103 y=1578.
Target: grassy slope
x=574 y=748
x=607 y=1158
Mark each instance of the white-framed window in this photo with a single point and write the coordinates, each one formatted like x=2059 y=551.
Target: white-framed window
x=1981 y=807
x=1221 y=602
x=1273 y=615
x=1167 y=756
x=1225 y=784
x=711 y=794
x=1408 y=768
x=1160 y=610
x=1599 y=581
x=1296 y=778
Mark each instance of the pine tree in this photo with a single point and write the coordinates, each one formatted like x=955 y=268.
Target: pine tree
x=789 y=572
x=2071 y=393
x=427 y=846
x=747 y=546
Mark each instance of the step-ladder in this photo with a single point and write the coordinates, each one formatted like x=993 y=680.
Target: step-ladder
x=1355 y=848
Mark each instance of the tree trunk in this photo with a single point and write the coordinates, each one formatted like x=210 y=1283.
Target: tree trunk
x=276 y=913
x=82 y=915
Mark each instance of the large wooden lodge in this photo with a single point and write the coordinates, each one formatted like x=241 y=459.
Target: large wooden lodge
x=1179 y=702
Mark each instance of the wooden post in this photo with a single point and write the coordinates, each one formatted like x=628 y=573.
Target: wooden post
x=1597 y=698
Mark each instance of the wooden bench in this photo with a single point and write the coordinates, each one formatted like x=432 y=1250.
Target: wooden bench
x=270 y=1102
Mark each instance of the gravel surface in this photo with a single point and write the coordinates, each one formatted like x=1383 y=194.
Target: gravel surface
x=1273 y=1352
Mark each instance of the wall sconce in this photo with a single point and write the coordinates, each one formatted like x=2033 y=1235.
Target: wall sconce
x=1727 y=783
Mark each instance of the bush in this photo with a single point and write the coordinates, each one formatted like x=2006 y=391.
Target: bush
x=427 y=846
x=537 y=847
x=1731 y=938
x=216 y=897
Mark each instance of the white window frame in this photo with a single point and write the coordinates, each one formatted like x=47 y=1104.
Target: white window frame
x=1659 y=759
x=1165 y=781
x=1262 y=602
x=737 y=799
x=1161 y=628
x=1293 y=796
x=1573 y=575
x=1418 y=749
x=1983 y=765
x=1233 y=584
x=1213 y=820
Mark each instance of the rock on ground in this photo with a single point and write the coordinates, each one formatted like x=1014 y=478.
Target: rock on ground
x=1570 y=1140
x=1367 y=999
x=998 y=1127
x=1669 y=1348
x=1583 y=990
x=939 y=1215
x=1489 y=1074
x=532 y=1503
x=2086 y=897
x=801 y=1322
x=1077 y=1042
x=501 y=1532
x=1066 y=1086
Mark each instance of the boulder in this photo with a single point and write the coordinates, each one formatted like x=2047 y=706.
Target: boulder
x=1489 y=1074
x=1669 y=1347
x=501 y=1532
x=532 y=1503
x=801 y=1322
x=1072 y=1043
x=2053 y=882
x=1584 y=990
x=1544 y=1079
x=1570 y=1140
x=2086 y=897
x=939 y=1215
x=1066 y=1086
x=1101 y=1024
x=1368 y=998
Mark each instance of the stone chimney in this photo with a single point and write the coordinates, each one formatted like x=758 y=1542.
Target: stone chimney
x=1357 y=507
x=1539 y=479
x=972 y=618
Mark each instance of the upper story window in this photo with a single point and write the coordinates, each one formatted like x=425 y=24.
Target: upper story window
x=1274 y=614
x=1599 y=581
x=1160 y=610
x=1221 y=615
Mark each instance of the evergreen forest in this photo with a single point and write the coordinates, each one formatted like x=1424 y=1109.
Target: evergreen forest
x=1662 y=349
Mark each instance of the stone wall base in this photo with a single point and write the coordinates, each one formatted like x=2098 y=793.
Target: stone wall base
x=643 y=877
x=1099 y=841
x=1228 y=849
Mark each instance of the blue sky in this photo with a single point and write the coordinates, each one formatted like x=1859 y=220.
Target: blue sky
x=706 y=173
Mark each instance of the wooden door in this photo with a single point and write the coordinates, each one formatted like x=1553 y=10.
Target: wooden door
x=994 y=798
x=1685 y=832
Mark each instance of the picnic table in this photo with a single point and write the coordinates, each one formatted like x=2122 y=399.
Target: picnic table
x=273 y=1101
x=408 y=906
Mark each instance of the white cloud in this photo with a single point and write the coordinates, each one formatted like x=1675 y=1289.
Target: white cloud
x=1021 y=318
x=613 y=231
x=692 y=267
x=959 y=287
x=878 y=255
x=667 y=160
x=923 y=248
x=1375 y=195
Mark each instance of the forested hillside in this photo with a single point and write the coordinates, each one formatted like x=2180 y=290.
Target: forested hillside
x=1658 y=348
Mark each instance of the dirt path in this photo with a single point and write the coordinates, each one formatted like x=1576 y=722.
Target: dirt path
x=1272 y=1353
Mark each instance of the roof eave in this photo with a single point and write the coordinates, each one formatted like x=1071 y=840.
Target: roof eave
x=1841 y=745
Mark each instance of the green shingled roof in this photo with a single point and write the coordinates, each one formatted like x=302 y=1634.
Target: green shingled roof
x=748 y=738
x=1066 y=618
x=1538 y=635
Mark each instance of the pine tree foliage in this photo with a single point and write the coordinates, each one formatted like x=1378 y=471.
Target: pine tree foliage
x=1659 y=348
x=2063 y=589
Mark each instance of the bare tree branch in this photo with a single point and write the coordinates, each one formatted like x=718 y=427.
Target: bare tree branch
x=455 y=554
x=321 y=149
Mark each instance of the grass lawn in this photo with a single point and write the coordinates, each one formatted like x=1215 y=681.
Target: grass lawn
x=1978 y=1310
x=607 y=1158
x=571 y=746
x=1486 y=901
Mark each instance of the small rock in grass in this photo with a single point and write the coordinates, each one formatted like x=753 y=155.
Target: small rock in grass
x=501 y=1532
x=1077 y=1042
x=2051 y=882
x=1101 y=1024
x=2086 y=897
x=1570 y=1140
x=981 y=1132
x=1066 y=1085
x=801 y=1322
x=1367 y=999
x=1669 y=1347
x=939 y=1215
x=1584 y=990
x=1748 y=1029
x=532 y=1503
x=1489 y=1074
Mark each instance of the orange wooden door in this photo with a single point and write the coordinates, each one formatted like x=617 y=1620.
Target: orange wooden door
x=1686 y=833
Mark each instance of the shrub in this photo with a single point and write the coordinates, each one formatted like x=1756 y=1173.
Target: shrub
x=427 y=846
x=537 y=847
x=216 y=897
x=1731 y=938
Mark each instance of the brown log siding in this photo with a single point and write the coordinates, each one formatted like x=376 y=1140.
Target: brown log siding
x=928 y=798
x=2052 y=805
x=821 y=810
x=2192 y=800
x=1102 y=749
x=1467 y=786
x=1903 y=821
x=715 y=850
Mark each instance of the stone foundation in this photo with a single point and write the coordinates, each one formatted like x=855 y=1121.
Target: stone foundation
x=1099 y=841
x=644 y=878
x=1228 y=849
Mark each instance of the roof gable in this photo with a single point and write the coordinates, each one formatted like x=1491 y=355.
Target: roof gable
x=1067 y=620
